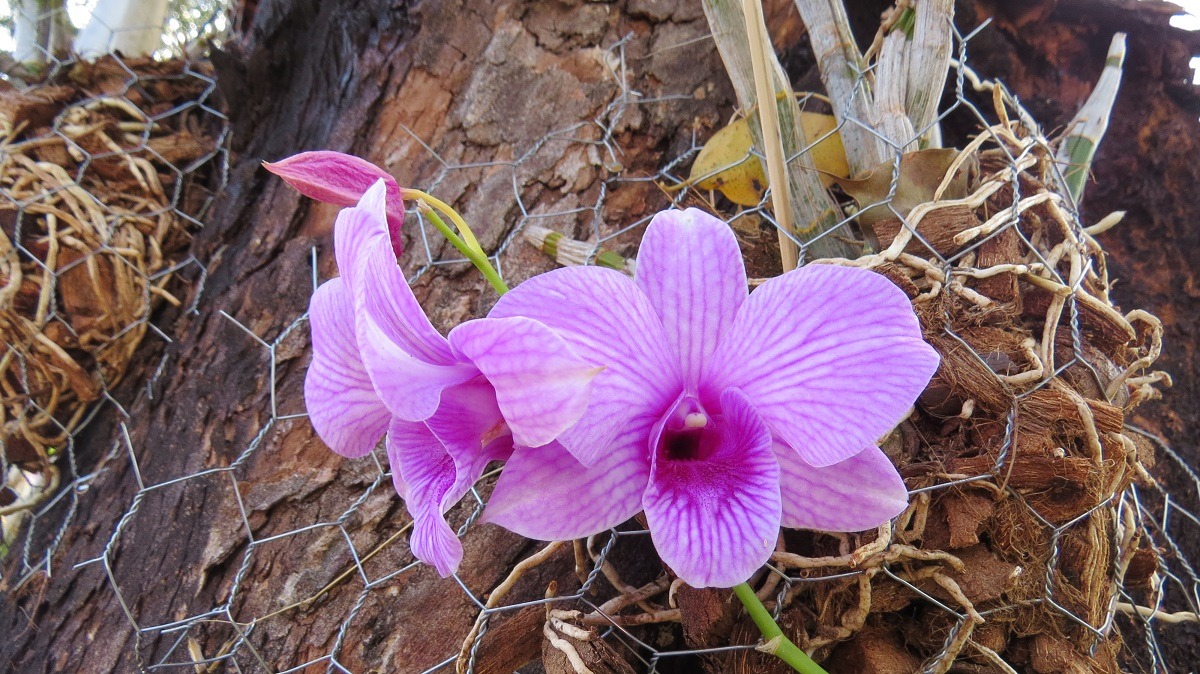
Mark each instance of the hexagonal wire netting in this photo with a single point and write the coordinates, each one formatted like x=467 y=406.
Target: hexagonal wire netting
x=107 y=169
x=1138 y=512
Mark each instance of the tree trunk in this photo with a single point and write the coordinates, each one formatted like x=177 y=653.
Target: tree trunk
x=485 y=103
x=478 y=81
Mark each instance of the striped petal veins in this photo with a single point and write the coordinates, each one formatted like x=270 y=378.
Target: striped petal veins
x=722 y=414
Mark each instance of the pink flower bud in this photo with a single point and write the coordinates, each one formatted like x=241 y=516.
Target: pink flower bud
x=341 y=179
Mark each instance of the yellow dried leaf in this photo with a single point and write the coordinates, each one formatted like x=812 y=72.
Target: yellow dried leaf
x=725 y=162
x=828 y=155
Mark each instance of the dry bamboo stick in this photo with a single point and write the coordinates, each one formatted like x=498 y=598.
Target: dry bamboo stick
x=813 y=210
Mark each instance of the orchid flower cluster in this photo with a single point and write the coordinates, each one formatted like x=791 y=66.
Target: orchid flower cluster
x=719 y=413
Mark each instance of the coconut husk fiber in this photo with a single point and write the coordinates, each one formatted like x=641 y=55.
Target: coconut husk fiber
x=1019 y=536
x=1022 y=531
x=104 y=170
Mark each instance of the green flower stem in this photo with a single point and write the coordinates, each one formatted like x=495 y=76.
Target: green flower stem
x=777 y=644
x=463 y=230
x=474 y=254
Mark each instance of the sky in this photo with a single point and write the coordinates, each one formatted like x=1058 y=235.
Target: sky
x=1189 y=20
x=80 y=11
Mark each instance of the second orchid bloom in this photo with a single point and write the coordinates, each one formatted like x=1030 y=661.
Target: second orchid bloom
x=448 y=405
x=722 y=414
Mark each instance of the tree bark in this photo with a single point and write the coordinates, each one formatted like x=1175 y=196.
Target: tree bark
x=484 y=84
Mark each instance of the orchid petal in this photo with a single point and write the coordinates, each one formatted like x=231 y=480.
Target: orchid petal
x=355 y=229
x=544 y=493
x=408 y=361
x=469 y=424
x=433 y=485
x=832 y=358
x=857 y=494
x=691 y=270
x=715 y=520
x=542 y=387
x=386 y=299
x=341 y=179
x=602 y=315
x=341 y=401
x=411 y=388
x=381 y=292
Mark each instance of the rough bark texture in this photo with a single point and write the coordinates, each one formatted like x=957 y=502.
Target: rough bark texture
x=483 y=81
x=480 y=82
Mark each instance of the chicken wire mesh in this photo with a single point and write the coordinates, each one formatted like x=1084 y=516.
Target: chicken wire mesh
x=823 y=588
x=107 y=168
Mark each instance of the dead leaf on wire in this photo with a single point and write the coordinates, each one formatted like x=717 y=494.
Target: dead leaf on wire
x=920 y=174
x=726 y=162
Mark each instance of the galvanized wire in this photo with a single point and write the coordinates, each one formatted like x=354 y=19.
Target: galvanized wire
x=1165 y=518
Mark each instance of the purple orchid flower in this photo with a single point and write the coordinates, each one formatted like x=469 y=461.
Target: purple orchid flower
x=342 y=179
x=449 y=405
x=722 y=414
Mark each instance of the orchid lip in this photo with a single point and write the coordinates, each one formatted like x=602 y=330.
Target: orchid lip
x=689 y=433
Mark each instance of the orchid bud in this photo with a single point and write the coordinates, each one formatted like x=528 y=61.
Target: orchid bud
x=341 y=179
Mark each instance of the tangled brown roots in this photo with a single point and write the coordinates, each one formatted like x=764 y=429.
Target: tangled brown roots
x=1012 y=553
x=102 y=171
